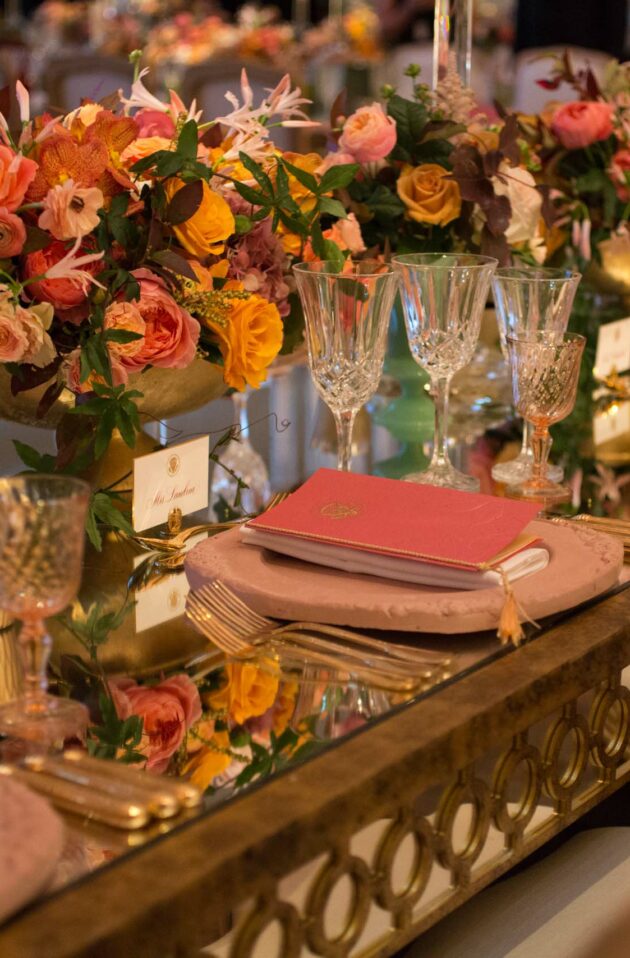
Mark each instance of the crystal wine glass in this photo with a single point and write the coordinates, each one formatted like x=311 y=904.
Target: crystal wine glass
x=346 y=317
x=240 y=457
x=545 y=373
x=41 y=549
x=527 y=300
x=443 y=296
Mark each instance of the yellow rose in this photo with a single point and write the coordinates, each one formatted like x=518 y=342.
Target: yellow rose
x=249 y=691
x=209 y=762
x=284 y=706
x=310 y=163
x=249 y=341
x=428 y=196
x=208 y=228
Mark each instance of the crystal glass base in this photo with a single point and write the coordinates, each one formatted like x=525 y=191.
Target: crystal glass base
x=446 y=476
x=48 y=719
x=520 y=469
x=544 y=491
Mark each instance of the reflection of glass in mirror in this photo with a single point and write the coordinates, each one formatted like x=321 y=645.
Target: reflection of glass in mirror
x=346 y=317
x=240 y=457
x=41 y=551
x=530 y=300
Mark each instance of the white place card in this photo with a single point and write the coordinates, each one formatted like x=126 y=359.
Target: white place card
x=173 y=478
x=612 y=424
x=613 y=348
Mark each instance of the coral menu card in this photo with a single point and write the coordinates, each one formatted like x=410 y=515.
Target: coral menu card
x=388 y=517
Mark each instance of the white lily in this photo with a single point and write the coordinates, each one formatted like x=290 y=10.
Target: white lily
x=140 y=97
x=24 y=102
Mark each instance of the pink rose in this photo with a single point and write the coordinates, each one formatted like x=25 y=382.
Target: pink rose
x=14 y=342
x=369 y=134
x=170 y=335
x=579 y=124
x=620 y=174
x=63 y=294
x=16 y=174
x=347 y=235
x=167 y=710
x=12 y=234
x=154 y=123
x=71 y=370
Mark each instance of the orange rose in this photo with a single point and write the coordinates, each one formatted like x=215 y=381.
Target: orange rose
x=428 y=196
x=209 y=761
x=208 y=228
x=249 y=691
x=142 y=147
x=16 y=175
x=126 y=316
x=250 y=340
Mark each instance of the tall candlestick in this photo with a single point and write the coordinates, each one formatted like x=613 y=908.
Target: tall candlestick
x=441 y=39
x=463 y=38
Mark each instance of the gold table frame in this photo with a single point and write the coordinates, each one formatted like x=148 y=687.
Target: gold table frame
x=554 y=714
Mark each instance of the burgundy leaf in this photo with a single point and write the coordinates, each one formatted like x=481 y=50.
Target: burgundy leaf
x=550 y=84
x=48 y=399
x=508 y=140
x=592 y=86
x=547 y=210
x=185 y=203
x=176 y=263
x=109 y=102
x=339 y=107
x=495 y=246
x=32 y=376
x=497 y=212
x=212 y=137
x=491 y=162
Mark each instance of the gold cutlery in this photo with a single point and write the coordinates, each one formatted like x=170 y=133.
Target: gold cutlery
x=612 y=526
x=216 y=620
x=104 y=790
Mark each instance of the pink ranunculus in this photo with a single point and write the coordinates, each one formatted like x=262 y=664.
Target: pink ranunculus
x=581 y=123
x=154 y=123
x=16 y=174
x=12 y=234
x=171 y=333
x=620 y=174
x=63 y=294
x=369 y=134
x=167 y=711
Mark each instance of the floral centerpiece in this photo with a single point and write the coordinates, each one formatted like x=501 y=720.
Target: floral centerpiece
x=134 y=236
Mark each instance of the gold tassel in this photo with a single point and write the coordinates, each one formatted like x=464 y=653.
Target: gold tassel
x=510 y=628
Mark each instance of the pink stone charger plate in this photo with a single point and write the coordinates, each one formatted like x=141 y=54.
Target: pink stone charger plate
x=582 y=564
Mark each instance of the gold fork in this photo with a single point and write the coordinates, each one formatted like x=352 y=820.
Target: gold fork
x=247 y=622
x=284 y=657
x=214 y=617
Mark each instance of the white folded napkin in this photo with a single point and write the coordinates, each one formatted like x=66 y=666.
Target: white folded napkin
x=394 y=567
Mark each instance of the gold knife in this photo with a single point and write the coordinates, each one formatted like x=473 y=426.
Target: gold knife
x=187 y=795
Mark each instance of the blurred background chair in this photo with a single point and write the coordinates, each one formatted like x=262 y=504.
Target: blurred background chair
x=67 y=80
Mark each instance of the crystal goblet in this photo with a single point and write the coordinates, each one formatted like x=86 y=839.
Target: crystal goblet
x=346 y=318
x=443 y=297
x=530 y=300
x=545 y=374
x=41 y=551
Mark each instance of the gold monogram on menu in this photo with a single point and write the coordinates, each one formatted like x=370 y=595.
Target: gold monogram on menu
x=339 y=510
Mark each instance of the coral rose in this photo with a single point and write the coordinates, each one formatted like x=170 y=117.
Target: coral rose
x=428 y=196
x=334 y=159
x=16 y=175
x=620 y=174
x=12 y=234
x=170 y=335
x=126 y=316
x=63 y=294
x=167 y=710
x=206 y=231
x=581 y=123
x=250 y=341
x=155 y=123
x=248 y=692
x=143 y=147
x=369 y=134
x=36 y=321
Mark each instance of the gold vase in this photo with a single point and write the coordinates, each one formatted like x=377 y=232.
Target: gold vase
x=166 y=393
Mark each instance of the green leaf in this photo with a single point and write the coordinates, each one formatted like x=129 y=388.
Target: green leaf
x=91 y=527
x=307 y=179
x=337 y=177
x=591 y=182
x=36 y=239
x=332 y=207
x=411 y=118
x=385 y=204
x=258 y=173
x=184 y=203
x=33 y=459
x=251 y=195
x=120 y=336
x=242 y=223
x=188 y=142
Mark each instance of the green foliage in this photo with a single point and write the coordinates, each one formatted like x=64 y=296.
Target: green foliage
x=103 y=512
x=115 y=738
x=112 y=407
